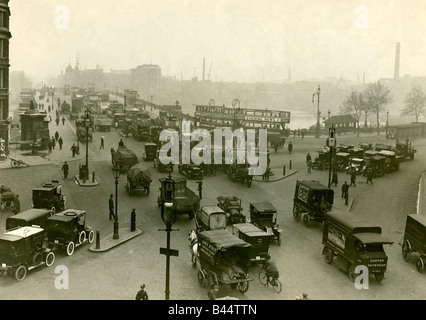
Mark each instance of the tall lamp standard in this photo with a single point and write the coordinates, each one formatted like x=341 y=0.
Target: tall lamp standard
x=331 y=134
x=168 y=215
x=235 y=106
x=87 y=123
x=317 y=133
x=116 y=174
x=125 y=122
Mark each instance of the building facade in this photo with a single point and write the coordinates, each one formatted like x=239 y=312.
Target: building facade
x=5 y=35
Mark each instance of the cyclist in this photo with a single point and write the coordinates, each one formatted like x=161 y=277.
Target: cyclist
x=271 y=270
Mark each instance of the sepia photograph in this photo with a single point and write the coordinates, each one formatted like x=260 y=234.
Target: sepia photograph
x=202 y=150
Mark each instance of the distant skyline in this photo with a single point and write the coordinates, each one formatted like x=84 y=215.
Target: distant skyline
x=242 y=41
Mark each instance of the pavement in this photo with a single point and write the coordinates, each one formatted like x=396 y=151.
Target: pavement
x=107 y=243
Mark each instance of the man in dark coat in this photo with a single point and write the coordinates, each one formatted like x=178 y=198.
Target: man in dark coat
x=370 y=175
x=290 y=147
x=345 y=190
x=65 y=169
x=142 y=295
x=353 y=178
x=60 y=142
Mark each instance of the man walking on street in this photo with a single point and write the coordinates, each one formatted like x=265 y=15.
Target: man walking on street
x=111 y=207
x=370 y=176
x=60 y=142
x=63 y=121
x=345 y=190
x=353 y=178
x=290 y=147
x=73 y=150
x=102 y=143
x=65 y=169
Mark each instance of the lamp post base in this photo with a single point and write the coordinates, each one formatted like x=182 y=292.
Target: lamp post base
x=116 y=235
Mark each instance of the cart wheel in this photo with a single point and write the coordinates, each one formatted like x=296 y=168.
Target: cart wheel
x=70 y=248
x=296 y=213
x=20 y=273
x=82 y=237
x=277 y=285
x=306 y=220
x=328 y=255
x=263 y=279
x=420 y=265
x=91 y=236
x=201 y=278
x=194 y=261
x=351 y=273
x=379 y=276
x=406 y=250
x=243 y=286
x=37 y=259
x=50 y=258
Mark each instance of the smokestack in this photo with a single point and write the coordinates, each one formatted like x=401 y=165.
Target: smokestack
x=397 y=51
x=204 y=69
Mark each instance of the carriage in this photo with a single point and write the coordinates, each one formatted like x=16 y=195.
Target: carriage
x=232 y=206
x=125 y=158
x=224 y=259
x=313 y=200
x=138 y=178
x=322 y=160
x=414 y=240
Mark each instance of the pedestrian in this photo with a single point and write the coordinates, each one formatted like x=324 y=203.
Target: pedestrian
x=267 y=173
x=56 y=136
x=308 y=157
x=63 y=120
x=111 y=207
x=65 y=169
x=334 y=179
x=294 y=134
x=290 y=147
x=121 y=143
x=345 y=190
x=53 y=142
x=102 y=143
x=327 y=142
x=353 y=178
x=60 y=142
x=200 y=189
x=49 y=145
x=142 y=295
x=48 y=108
x=309 y=166
x=370 y=175
x=16 y=205
x=57 y=120
x=303 y=134
x=73 y=150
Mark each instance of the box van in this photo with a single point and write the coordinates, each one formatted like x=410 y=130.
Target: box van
x=30 y=217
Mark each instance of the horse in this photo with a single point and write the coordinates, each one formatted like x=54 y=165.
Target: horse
x=193 y=246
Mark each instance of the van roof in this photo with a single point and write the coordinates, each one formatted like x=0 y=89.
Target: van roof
x=20 y=233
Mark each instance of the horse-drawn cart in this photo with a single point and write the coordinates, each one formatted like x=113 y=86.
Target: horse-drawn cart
x=138 y=178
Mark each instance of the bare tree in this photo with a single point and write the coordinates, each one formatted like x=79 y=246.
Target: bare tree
x=415 y=103
x=377 y=96
x=354 y=104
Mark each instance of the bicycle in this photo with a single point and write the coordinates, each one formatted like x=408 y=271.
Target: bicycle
x=266 y=278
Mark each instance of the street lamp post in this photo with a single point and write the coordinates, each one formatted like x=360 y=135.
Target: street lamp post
x=125 y=122
x=317 y=133
x=116 y=173
x=235 y=104
x=168 y=215
x=87 y=122
x=332 y=140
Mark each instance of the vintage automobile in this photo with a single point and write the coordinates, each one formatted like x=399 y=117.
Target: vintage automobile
x=138 y=178
x=161 y=166
x=23 y=249
x=185 y=201
x=354 y=242
x=391 y=160
x=365 y=146
x=357 y=153
x=344 y=148
x=341 y=161
x=313 y=200
x=356 y=165
x=381 y=146
x=258 y=239
x=239 y=172
x=322 y=160
x=264 y=215
x=210 y=218
x=7 y=198
x=125 y=158
x=150 y=151
x=414 y=240
x=68 y=229
x=405 y=150
x=224 y=259
x=192 y=171
x=49 y=196
x=233 y=209
x=29 y=217
x=376 y=164
x=370 y=154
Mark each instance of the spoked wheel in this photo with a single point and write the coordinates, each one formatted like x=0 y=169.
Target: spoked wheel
x=194 y=261
x=351 y=273
x=50 y=259
x=91 y=237
x=37 y=259
x=263 y=279
x=201 y=278
x=82 y=237
x=306 y=220
x=243 y=286
x=379 y=276
x=277 y=285
x=70 y=248
x=420 y=265
x=406 y=250
x=20 y=273
x=296 y=213
x=328 y=255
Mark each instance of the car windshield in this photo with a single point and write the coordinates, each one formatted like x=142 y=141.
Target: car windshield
x=8 y=247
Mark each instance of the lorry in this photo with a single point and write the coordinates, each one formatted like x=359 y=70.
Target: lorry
x=139 y=128
x=82 y=131
x=103 y=123
x=354 y=243
x=405 y=150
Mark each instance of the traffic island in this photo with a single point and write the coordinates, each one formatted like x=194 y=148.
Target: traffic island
x=274 y=177
x=91 y=182
x=107 y=243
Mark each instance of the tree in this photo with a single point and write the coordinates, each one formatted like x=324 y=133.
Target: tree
x=415 y=103
x=377 y=96
x=354 y=104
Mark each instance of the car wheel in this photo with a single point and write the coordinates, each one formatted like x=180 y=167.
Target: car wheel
x=406 y=250
x=328 y=255
x=420 y=265
x=91 y=236
x=243 y=286
x=81 y=237
x=70 y=248
x=263 y=279
x=351 y=273
x=37 y=259
x=296 y=213
x=306 y=220
x=20 y=273
x=50 y=259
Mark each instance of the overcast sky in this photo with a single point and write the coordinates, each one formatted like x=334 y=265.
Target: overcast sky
x=241 y=40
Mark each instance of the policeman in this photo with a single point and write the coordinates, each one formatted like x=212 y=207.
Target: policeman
x=142 y=295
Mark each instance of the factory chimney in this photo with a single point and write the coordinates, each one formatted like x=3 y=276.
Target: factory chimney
x=396 y=71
